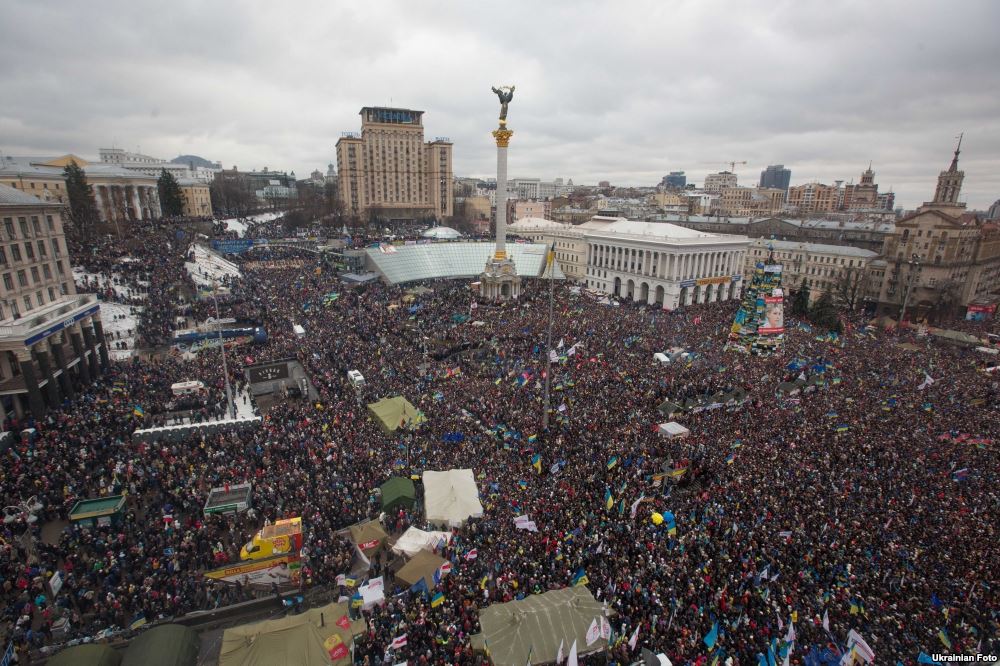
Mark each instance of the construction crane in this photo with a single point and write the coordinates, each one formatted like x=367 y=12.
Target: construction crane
x=732 y=164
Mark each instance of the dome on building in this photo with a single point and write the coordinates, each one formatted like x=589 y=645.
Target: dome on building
x=441 y=233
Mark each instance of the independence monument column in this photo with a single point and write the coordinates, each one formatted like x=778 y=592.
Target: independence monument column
x=499 y=280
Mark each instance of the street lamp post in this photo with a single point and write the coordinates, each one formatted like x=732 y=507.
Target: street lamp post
x=548 y=345
x=25 y=511
x=230 y=407
x=914 y=263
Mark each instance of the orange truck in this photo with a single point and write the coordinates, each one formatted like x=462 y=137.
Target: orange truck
x=284 y=537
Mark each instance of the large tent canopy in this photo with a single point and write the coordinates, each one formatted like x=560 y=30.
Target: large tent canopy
x=165 y=645
x=415 y=540
x=393 y=413
x=537 y=625
x=451 y=497
x=369 y=536
x=422 y=565
x=307 y=639
x=92 y=654
x=398 y=491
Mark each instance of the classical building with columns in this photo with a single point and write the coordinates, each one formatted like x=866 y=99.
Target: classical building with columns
x=51 y=338
x=660 y=263
x=121 y=194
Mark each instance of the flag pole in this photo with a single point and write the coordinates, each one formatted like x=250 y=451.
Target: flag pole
x=548 y=345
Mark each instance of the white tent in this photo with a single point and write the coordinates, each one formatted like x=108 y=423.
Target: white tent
x=451 y=497
x=415 y=540
x=672 y=430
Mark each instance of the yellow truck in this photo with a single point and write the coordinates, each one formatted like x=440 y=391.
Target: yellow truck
x=284 y=537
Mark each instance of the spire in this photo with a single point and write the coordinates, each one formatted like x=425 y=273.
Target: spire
x=958 y=149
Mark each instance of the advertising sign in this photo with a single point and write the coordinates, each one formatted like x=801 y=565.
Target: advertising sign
x=773 y=320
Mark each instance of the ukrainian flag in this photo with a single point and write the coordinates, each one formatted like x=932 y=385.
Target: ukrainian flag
x=536 y=462
x=437 y=600
x=138 y=411
x=609 y=501
x=943 y=636
x=612 y=462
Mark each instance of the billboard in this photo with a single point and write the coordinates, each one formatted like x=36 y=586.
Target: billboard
x=773 y=320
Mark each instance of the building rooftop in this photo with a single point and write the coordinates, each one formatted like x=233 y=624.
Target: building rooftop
x=817 y=248
x=10 y=196
x=409 y=263
x=536 y=224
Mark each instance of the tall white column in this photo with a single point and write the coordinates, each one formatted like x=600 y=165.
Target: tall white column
x=502 y=137
x=135 y=202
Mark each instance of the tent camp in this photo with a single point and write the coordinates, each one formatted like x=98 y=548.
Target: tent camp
x=668 y=408
x=530 y=631
x=415 y=540
x=165 y=645
x=92 y=654
x=672 y=430
x=308 y=639
x=392 y=413
x=398 y=491
x=451 y=497
x=422 y=565
x=369 y=536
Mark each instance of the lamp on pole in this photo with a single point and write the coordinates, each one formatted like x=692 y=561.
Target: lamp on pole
x=24 y=511
x=914 y=263
x=548 y=344
x=230 y=407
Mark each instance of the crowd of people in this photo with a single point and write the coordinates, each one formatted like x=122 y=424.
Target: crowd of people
x=869 y=503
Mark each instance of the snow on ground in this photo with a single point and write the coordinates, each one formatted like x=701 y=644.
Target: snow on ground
x=240 y=226
x=120 y=319
x=81 y=277
x=209 y=267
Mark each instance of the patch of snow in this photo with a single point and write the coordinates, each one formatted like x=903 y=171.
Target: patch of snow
x=240 y=226
x=209 y=267
x=82 y=277
x=118 y=320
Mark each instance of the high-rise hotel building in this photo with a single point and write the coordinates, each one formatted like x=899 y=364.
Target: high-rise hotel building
x=388 y=170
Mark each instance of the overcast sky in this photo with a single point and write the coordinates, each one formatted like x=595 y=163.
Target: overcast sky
x=619 y=91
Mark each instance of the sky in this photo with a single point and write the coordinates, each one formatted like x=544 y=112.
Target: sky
x=619 y=90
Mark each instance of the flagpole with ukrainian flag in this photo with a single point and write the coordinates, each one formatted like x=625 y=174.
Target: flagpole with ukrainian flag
x=550 y=265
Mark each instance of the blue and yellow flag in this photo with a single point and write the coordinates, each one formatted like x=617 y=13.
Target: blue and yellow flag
x=536 y=462
x=612 y=462
x=138 y=411
x=437 y=600
x=609 y=501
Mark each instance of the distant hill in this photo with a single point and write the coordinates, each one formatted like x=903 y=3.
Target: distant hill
x=192 y=159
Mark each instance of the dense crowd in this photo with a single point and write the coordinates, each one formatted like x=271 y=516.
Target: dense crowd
x=869 y=503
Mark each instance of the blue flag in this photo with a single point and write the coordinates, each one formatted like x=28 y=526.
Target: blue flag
x=925 y=658
x=712 y=636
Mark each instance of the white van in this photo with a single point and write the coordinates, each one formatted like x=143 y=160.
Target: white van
x=661 y=358
x=356 y=378
x=298 y=331
x=187 y=388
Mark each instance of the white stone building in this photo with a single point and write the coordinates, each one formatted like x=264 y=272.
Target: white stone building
x=660 y=263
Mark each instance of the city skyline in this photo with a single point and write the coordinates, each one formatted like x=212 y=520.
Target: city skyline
x=774 y=83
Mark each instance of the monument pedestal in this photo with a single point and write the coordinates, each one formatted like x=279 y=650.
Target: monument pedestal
x=499 y=281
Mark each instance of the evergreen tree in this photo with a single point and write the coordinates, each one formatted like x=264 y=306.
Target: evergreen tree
x=82 y=209
x=824 y=312
x=800 y=302
x=171 y=197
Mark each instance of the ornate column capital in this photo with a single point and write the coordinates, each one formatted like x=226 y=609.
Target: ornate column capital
x=502 y=137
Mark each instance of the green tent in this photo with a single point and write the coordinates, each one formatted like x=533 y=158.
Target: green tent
x=392 y=413
x=398 y=491
x=668 y=408
x=165 y=645
x=530 y=631
x=92 y=654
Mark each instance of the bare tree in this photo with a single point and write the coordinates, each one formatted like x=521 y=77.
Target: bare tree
x=850 y=286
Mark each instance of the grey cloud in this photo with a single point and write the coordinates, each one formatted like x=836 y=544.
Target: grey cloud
x=622 y=91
